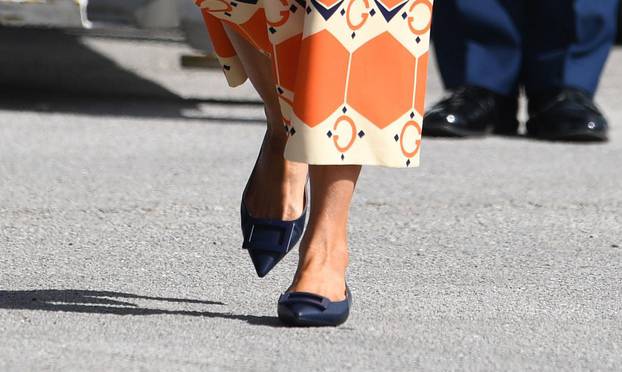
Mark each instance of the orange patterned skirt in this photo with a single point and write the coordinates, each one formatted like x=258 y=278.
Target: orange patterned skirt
x=350 y=74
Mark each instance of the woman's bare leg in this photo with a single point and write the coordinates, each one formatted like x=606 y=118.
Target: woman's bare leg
x=277 y=189
x=324 y=248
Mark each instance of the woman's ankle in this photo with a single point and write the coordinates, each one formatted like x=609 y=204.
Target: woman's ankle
x=322 y=254
x=322 y=271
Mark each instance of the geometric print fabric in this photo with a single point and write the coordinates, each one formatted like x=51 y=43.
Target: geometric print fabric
x=350 y=74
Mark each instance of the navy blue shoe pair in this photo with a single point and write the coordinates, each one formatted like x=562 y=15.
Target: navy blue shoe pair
x=267 y=242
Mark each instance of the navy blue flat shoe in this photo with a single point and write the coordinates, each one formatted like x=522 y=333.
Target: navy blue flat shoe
x=302 y=309
x=268 y=240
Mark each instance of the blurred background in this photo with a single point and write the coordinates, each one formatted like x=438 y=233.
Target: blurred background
x=113 y=57
x=176 y=20
x=85 y=55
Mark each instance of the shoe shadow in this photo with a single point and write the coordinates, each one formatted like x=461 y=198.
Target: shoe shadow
x=116 y=303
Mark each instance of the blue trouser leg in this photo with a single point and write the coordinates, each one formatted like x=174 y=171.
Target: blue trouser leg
x=543 y=44
x=567 y=43
x=479 y=42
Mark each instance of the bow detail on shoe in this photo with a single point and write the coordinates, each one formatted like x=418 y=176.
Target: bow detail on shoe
x=265 y=234
x=303 y=309
x=318 y=301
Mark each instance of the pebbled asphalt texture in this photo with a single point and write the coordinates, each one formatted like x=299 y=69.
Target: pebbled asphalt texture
x=120 y=180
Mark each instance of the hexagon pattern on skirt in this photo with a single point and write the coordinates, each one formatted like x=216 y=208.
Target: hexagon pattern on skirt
x=350 y=74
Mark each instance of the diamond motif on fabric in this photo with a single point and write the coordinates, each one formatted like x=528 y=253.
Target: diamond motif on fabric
x=327 y=10
x=388 y=12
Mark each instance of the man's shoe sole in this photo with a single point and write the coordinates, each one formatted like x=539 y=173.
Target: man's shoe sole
x=451 y=131
x=576 y=136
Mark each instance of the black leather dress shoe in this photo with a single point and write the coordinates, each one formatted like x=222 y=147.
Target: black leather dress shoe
x=566 y=115
x=471 y=111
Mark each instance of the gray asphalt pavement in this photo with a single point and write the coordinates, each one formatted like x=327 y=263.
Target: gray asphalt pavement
x=120 y=249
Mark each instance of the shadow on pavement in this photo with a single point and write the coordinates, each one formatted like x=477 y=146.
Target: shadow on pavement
x=116 y=303
x=128 y=106
x=46 y=70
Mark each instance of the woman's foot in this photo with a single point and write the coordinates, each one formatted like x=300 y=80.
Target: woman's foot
x=322 y=269
x=323 y=253
x=324 y=248
x=277 y=187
